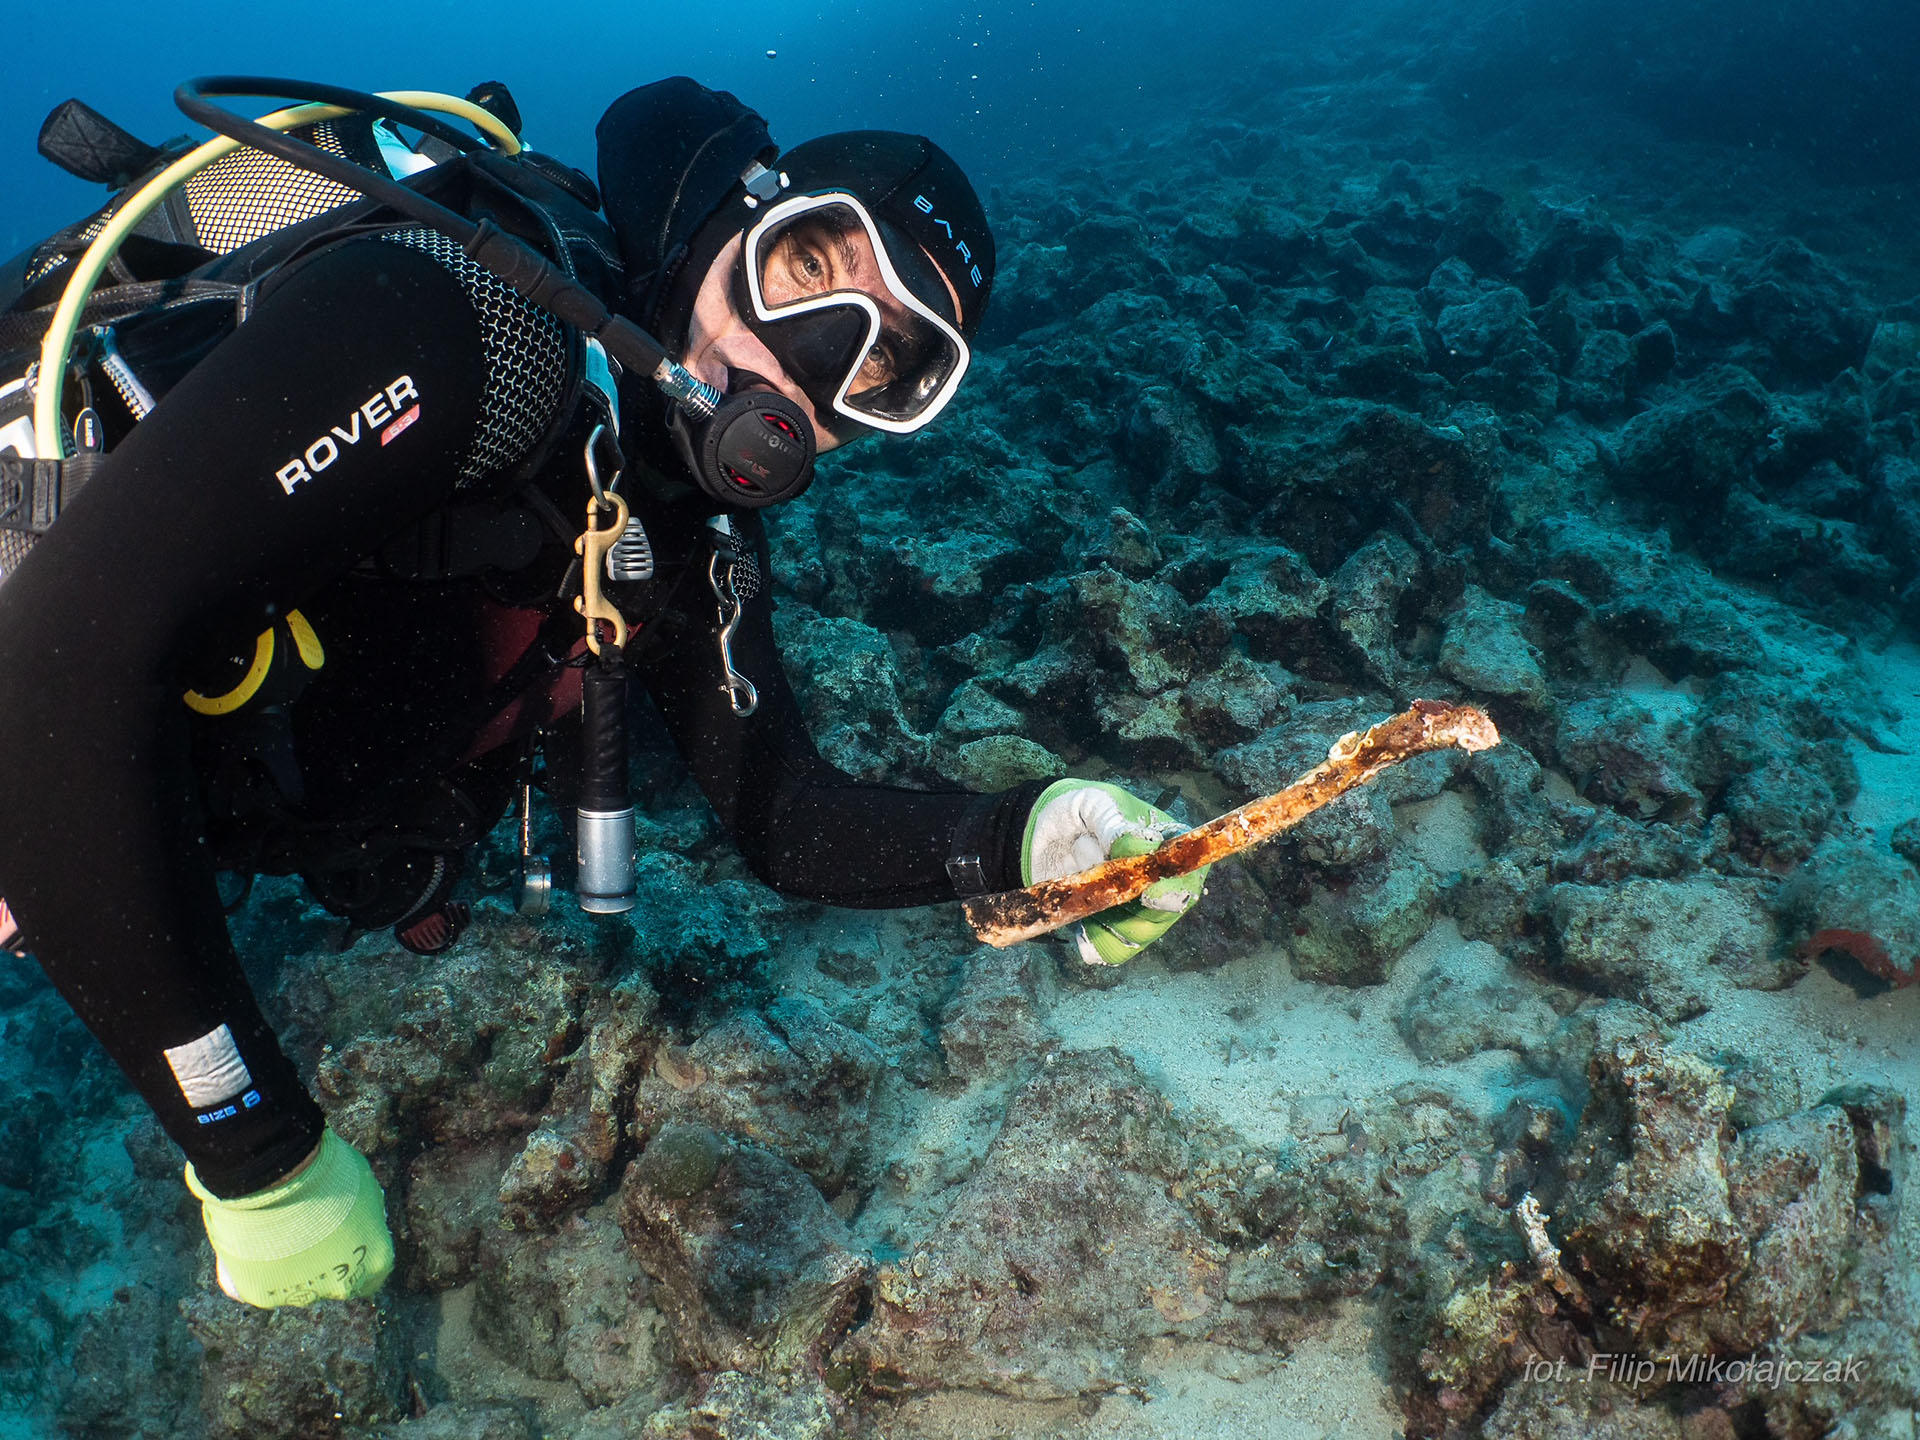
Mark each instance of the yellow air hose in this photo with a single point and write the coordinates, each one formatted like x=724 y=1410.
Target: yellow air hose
x=49 y=428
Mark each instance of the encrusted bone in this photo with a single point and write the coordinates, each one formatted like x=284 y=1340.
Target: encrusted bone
x=1011 y=916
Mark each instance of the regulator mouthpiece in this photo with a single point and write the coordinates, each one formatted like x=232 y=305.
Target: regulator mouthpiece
x=756 y=449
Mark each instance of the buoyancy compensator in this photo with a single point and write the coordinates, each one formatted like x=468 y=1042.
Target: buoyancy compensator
x=52 y=457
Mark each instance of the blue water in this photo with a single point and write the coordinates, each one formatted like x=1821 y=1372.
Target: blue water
x=996 y=85
x=1493 y=315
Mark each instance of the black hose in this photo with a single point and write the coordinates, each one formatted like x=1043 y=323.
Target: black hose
x=273 y=88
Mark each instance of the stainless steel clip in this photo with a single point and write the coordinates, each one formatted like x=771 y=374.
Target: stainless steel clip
x=741 y=694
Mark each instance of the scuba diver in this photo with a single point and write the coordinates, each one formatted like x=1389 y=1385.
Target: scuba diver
x=292 y=579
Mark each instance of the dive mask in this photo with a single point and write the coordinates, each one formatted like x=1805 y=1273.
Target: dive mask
x=854 y=311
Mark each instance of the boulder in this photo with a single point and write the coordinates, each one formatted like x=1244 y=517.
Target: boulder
x=1485 y=651
x=1143 y=626
x=994 y=1024
x=1059 y=1253
x=1352 y=932
x=1652 y=941
x=736 y=1406
x=751 y=1268
x=788 y=1077
x=296 y=1373
x=1272 y=598
x=1860 y=900
x=1368 y=589
x=571 y=1304
x=1461 y=1008
x=1631 y=754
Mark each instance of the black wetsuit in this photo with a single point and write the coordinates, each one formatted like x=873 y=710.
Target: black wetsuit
x=408 y=376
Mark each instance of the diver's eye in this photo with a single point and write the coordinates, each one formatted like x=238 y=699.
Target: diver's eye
x=795 y=267
x=879 y=368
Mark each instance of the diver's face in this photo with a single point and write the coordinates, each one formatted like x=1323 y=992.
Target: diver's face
x=806 y=260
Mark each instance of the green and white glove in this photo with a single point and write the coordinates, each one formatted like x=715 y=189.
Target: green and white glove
x=1078 y=823
x=321 y=1235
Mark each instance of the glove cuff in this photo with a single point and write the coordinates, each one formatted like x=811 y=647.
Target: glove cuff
x=285 y=1219
x=984 y=853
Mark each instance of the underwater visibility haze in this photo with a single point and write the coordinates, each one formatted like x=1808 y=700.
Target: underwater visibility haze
x=1559 y=360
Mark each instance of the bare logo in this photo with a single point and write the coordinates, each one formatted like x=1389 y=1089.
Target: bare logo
x=925 y=207
x=381 y=412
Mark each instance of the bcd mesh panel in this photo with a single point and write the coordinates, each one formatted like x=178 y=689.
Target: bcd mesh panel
x=232 y=202
x=527 y=356
x=57 y=249
x=247 y=194
x=14 y=545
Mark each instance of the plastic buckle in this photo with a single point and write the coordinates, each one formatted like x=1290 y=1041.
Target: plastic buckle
x=34 y=492
x=969 y=876
x=762 y=184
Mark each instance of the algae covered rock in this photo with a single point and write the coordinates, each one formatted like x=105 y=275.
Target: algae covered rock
x=1486 y=652
x=736 y=1406
x=1677 y=1235
x=571 y=1305
x=1479 y=327
x=1861 y=901
x=788 y=1077
x=998 y=762
x=1632 y=755
x=461 y=1422
x=1651 y=941
x=855 y=698
x=1689 y=452
x=295 y=1373
x=1351 y=934
x=1142 y=626
x=1812 y=320
x=1580 y=1408
x=1058 y=1253
x=1236 y=701
x=1126 y=543
x=564 y=1162
x=1794 y=1182
x=1460 y=1009
x=452 y=1201
x=1272 y=598
x=471 y=1049
x=1779 y=755
x=696 y=930
x=995 y=1024
x=750 y=1267
x=1369 y=590
x=1649 y=1211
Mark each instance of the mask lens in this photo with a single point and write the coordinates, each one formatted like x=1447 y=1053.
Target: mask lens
x=854 y=312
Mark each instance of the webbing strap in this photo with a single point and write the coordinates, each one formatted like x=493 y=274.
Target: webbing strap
x=34 y=492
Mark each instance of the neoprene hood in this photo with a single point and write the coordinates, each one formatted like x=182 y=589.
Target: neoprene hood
x=671 y=155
